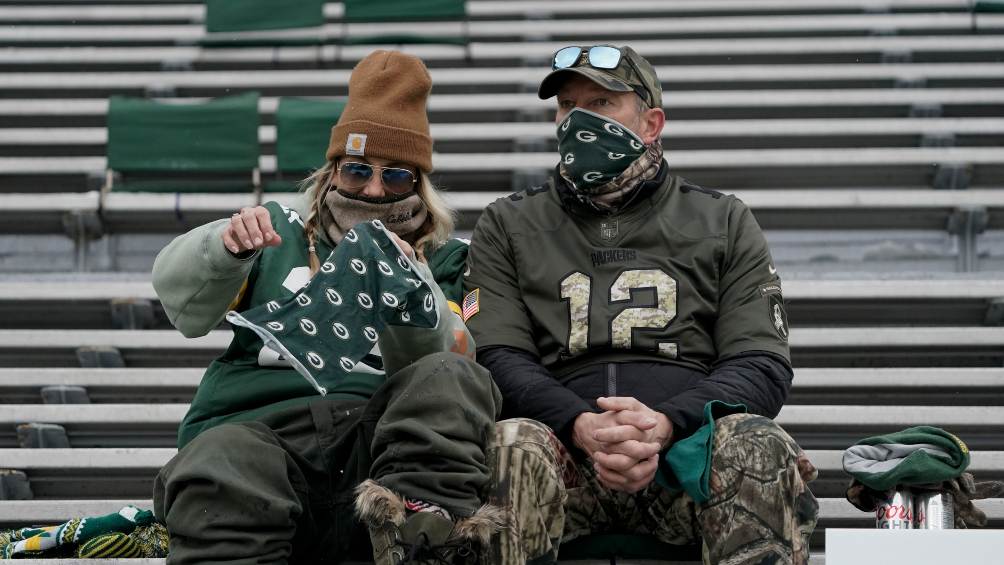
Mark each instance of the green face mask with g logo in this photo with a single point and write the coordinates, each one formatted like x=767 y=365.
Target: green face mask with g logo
x=595 y=150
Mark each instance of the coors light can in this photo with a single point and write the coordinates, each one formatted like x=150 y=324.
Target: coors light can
x=933 y=511
x=895 y=512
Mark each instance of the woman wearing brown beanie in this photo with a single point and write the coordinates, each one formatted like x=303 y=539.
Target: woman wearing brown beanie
x=269 y=471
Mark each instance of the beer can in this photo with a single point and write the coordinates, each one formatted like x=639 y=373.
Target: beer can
x=896 y=511
x=933 y=511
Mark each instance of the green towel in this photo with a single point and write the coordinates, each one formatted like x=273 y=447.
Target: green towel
x=363 y=286
x=914 y=456
x=687 y=464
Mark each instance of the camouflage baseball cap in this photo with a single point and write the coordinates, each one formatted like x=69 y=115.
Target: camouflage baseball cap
x=632 y=74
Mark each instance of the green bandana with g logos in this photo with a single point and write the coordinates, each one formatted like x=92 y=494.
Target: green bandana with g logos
x=364 y=285
x=594 y=149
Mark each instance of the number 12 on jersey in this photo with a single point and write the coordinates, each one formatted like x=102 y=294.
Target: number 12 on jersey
x=576 y=289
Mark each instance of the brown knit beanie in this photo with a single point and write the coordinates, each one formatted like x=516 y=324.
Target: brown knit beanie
x=385 y=115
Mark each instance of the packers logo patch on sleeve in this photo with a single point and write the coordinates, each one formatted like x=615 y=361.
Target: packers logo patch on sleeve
x=472 y=304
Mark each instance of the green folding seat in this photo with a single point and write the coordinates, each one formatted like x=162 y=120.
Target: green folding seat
x=183 y=147
x=417 y=11
x=985 y=7
x=248 y=23
x=989 y=6
x=302 y=131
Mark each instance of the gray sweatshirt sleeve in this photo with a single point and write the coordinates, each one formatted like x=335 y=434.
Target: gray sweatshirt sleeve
x=197 y=279
x=401 y=346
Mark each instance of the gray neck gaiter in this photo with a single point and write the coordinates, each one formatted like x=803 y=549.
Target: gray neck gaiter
x=403 y=214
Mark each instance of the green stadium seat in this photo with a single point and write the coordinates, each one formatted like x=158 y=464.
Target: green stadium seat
x=162 y=147
x=303 y=128
x=989 y=6
x=985 y=7
x=358 y=11
x=233 y=23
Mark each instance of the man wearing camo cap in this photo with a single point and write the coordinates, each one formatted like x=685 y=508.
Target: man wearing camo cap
x=640 y=317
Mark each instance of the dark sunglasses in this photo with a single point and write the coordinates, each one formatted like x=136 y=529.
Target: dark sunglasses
x=606 y=57
x=354 y=176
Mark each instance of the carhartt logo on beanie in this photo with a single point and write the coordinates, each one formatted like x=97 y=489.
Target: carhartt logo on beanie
x=385 y=115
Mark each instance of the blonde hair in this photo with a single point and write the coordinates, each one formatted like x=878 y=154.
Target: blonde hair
x=433 y=233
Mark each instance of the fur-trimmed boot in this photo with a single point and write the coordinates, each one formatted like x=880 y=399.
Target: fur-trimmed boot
x=399 y=536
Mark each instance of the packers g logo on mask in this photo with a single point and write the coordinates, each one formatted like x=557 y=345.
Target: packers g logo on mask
x=594 y=149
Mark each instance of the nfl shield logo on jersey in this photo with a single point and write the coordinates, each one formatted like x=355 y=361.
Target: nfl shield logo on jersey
x=608 y=229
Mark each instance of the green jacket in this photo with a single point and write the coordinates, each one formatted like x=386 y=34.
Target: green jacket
x=198 y=281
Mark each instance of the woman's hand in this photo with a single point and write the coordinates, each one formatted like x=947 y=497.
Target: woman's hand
x=404 y=245
x=250 y=230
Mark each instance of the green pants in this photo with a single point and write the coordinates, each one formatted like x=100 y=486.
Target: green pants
x=760 y=510
x=279 y=489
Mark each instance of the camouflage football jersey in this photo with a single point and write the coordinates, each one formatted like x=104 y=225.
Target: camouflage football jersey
x=683 y=276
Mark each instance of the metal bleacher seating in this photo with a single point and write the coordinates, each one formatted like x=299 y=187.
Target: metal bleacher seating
x=866 y=135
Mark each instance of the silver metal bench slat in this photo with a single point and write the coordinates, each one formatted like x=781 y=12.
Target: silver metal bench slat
x=55 y=511
x=702 y=99
x=878 y=208
x=140 y=378
x=889 y=416
x=194 y=12
x=888 y=386
x=545 y=130
x=95 y=414
x=891 y=289
x=152 y=458
x=912 y=378
x=915 y=386
x=719 y=159
x=844 y=337
x=797 y=289
x=669 y=75
x=962 y=386
x=112 y=458
x=818 y=416
x=487 y=51
x=217 y=340
x=719 y=25
x=792 y=199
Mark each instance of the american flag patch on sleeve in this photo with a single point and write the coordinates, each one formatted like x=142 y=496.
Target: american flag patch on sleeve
x=472 y=304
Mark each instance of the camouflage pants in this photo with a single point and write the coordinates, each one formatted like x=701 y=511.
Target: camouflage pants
x=760 y=510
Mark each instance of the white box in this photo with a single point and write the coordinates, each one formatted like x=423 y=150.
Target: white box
x=914 y=547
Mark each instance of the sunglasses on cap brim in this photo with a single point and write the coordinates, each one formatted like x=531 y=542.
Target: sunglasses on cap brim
x=604 y=57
